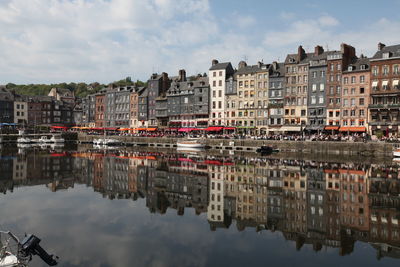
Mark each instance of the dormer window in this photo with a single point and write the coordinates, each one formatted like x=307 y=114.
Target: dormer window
x=350 y=68
x=386 y=55
x=363 y=67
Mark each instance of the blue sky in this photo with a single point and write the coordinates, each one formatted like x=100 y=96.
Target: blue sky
x=45 y=41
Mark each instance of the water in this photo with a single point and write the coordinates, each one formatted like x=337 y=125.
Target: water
x=111 y=208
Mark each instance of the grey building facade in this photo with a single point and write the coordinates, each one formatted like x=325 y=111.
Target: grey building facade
x=317 y=90
x=118 y=106
x=6 y=106
x=275 y=100
x=188 y=101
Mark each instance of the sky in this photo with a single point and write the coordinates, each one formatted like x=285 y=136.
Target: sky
x=50 y=41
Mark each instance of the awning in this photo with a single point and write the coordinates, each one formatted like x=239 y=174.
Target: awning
x=374 y=83
x=214 y=129
x=385 y=83
x=185 y=130
x=59 y=127
x=395 y=82
x=151 y=129
x=111 y=129
x=141 y=129
x=290 y=128
x=125 y=129
x=330 y=128
x=229 y=128
x=352 y=129
x=172 y=129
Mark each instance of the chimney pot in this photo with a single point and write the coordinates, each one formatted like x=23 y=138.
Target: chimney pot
x=381 y=46
x=214 y=62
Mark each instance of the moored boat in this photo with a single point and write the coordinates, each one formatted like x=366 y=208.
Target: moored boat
x=396 y=152
x=190 y=143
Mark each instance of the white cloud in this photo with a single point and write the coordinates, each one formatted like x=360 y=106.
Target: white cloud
x=245 y=21
x=327 y=20
x=324 y=31
x=54 y=40
x=287 y=15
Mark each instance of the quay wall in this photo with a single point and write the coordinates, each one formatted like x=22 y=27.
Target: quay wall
x=312 y=147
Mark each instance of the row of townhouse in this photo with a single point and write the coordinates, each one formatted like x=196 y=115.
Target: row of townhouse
x=316 y=91
x=57 y=108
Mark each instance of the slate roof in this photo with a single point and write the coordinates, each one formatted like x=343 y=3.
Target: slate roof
x=279 y=71
x=393 y=49
x=220 y=66
x=248 y=69
x=356 y=63
x=182 y=86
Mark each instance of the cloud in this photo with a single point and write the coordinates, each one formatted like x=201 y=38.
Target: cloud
x=54 y=40
x=287 y=15
x=325 y=31
x=245 y=21
x=327 y=20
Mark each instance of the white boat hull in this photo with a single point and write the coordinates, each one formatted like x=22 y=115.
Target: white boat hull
x=189 y=144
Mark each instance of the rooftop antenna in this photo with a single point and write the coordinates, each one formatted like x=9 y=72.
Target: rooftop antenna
x=327 y=47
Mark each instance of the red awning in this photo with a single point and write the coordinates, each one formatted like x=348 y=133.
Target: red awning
x=352 y=129
x=151 y=129
x=214 y=129
x=229 y=128
x=331 y=127
x=185 y=130
x=59 y=127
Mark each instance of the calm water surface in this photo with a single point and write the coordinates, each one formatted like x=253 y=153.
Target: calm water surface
x=112 y=208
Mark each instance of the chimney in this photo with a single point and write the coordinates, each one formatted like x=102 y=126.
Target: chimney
x=182 y=75
x=214 y=62
x=275 y=65
x=259 y=64
x=165 y=81
x=318 y=50
x=381 y=46
x=300 y=53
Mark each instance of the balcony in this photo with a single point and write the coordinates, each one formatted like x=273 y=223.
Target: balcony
x=384 y=105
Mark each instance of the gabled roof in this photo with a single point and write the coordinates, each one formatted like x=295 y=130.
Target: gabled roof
x=220 y=66
x=393 y=49
x=248 y=69
x=356 y=63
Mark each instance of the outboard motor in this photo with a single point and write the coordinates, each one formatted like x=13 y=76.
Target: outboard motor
x=30 y=246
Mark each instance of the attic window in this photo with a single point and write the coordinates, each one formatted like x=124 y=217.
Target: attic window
x=386 y=55
x=362 y=67
x=291 y=60
x=350 y=68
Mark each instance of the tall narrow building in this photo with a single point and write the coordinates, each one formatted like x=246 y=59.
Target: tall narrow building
x=295 y=104
x=218 y=74
x=385 y=93
x=337 y=62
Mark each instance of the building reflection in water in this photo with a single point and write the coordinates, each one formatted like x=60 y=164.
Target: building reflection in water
x=320 y=204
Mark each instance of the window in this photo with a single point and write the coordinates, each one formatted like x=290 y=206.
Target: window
x=220 y=73
x=214 y=74
x=353 y=101
x=313 y=99
x=375 y=71
x=219 y=83
x=353 y=91
x=362 y=79
x=353 y=79
x=322 y=87
x=396 y=69
x=215 y=83
x=314 y=74
x=385 y=70
x=314 y=87
x=361 y=101
x=321 y=99
x=345 y=91
x=345 y=80
x=322 y=73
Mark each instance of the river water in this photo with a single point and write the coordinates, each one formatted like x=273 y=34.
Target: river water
x=129 y=208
